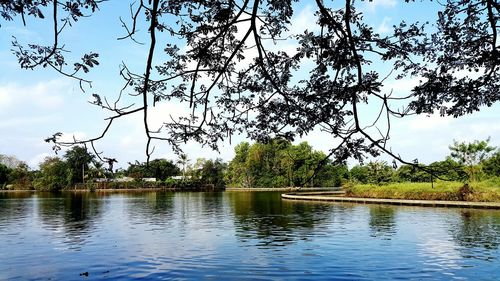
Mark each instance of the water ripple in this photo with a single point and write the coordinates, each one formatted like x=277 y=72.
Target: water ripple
x=243 y=236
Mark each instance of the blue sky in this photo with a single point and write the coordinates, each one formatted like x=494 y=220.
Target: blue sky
x=35 y=104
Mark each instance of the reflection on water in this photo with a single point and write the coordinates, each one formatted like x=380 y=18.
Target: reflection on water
x=382 y=221
x=15 y=208
x=154 y=208
x=268 y=221
x=71 y=215
x=239 y=235
x=477 y=229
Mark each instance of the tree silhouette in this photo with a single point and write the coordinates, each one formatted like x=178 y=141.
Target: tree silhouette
x=230 y=71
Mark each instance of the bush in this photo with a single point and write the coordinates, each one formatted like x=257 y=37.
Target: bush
x=407 y=173
x=464 y=192
x=492 y=166
x=170 y=183
x=359 y=174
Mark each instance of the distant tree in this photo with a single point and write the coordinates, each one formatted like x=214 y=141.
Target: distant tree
x=278 y=163
x=120 y=172
x=359 y=173
x=78 y=160
x=408 y=173
x=10 y=161
x=257 y=165
x=97 y=170
x=55 y=174
x=237 y=172
x=379 y=172
x=4 y=174
x=161 y=169
x=184 y=162
x=303 y=164
x=136 y=170
x=492 y=165
x=331 y=175
x=210 y=171
x=21 y=176
x=471 y=155
x=449 y=169
x=110 y=162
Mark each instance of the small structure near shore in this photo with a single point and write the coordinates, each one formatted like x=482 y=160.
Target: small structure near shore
x=124 y=179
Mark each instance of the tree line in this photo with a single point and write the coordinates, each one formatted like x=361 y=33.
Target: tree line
x=78 y=166
x=467 y=162
x=277 y=163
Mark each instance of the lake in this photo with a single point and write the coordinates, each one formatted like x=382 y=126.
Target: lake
x=239 y=236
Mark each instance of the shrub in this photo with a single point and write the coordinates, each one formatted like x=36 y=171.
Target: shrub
x=464 y=192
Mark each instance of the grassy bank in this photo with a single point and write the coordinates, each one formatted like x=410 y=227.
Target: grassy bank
x=485 y=191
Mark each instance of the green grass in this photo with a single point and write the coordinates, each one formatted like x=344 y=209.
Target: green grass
x=484 y=191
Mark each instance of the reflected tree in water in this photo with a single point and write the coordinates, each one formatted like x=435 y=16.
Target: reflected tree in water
x=76 y=214
x=13 y=207
x=264 y=217
x=150 y=207
x=382 y=221
x=166 y=208
x=477 y=228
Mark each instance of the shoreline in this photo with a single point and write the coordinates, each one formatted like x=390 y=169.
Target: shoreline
x=111 y=190
x=282 y=189
x=304 y=194
x=322 y=197
x=230 y=189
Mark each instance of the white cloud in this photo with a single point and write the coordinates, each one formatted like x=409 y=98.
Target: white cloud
x=161 y=113
x=483 y=129
x=21 y=33
x=429 y=122
x=384 y=27
x=70 y=137
x=39 y=158
x=319 y=140
x=43 y=95
x=428 y=138
x=402 y=87
x=24 y=121
x=305 y=19
x=126 y=141
x=5 y=96
x=472 y=128
x=373 y=5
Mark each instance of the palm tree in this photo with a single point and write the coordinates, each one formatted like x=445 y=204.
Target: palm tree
x=183 y=161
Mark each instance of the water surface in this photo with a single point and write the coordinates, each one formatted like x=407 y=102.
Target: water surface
x=239 y=236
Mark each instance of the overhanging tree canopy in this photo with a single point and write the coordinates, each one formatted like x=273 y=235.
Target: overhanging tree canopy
x=227 y=67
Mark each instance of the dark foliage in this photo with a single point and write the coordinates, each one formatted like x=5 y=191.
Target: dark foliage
x=492 y=165
x=161 y=169
x=251 y=86
x=279 y=163
x=78 y=160
x=4 y=174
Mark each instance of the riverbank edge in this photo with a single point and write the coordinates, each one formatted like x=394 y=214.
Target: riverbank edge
x=231 y=189
x=114 y=190
x=407 y=202
x=305 y=189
